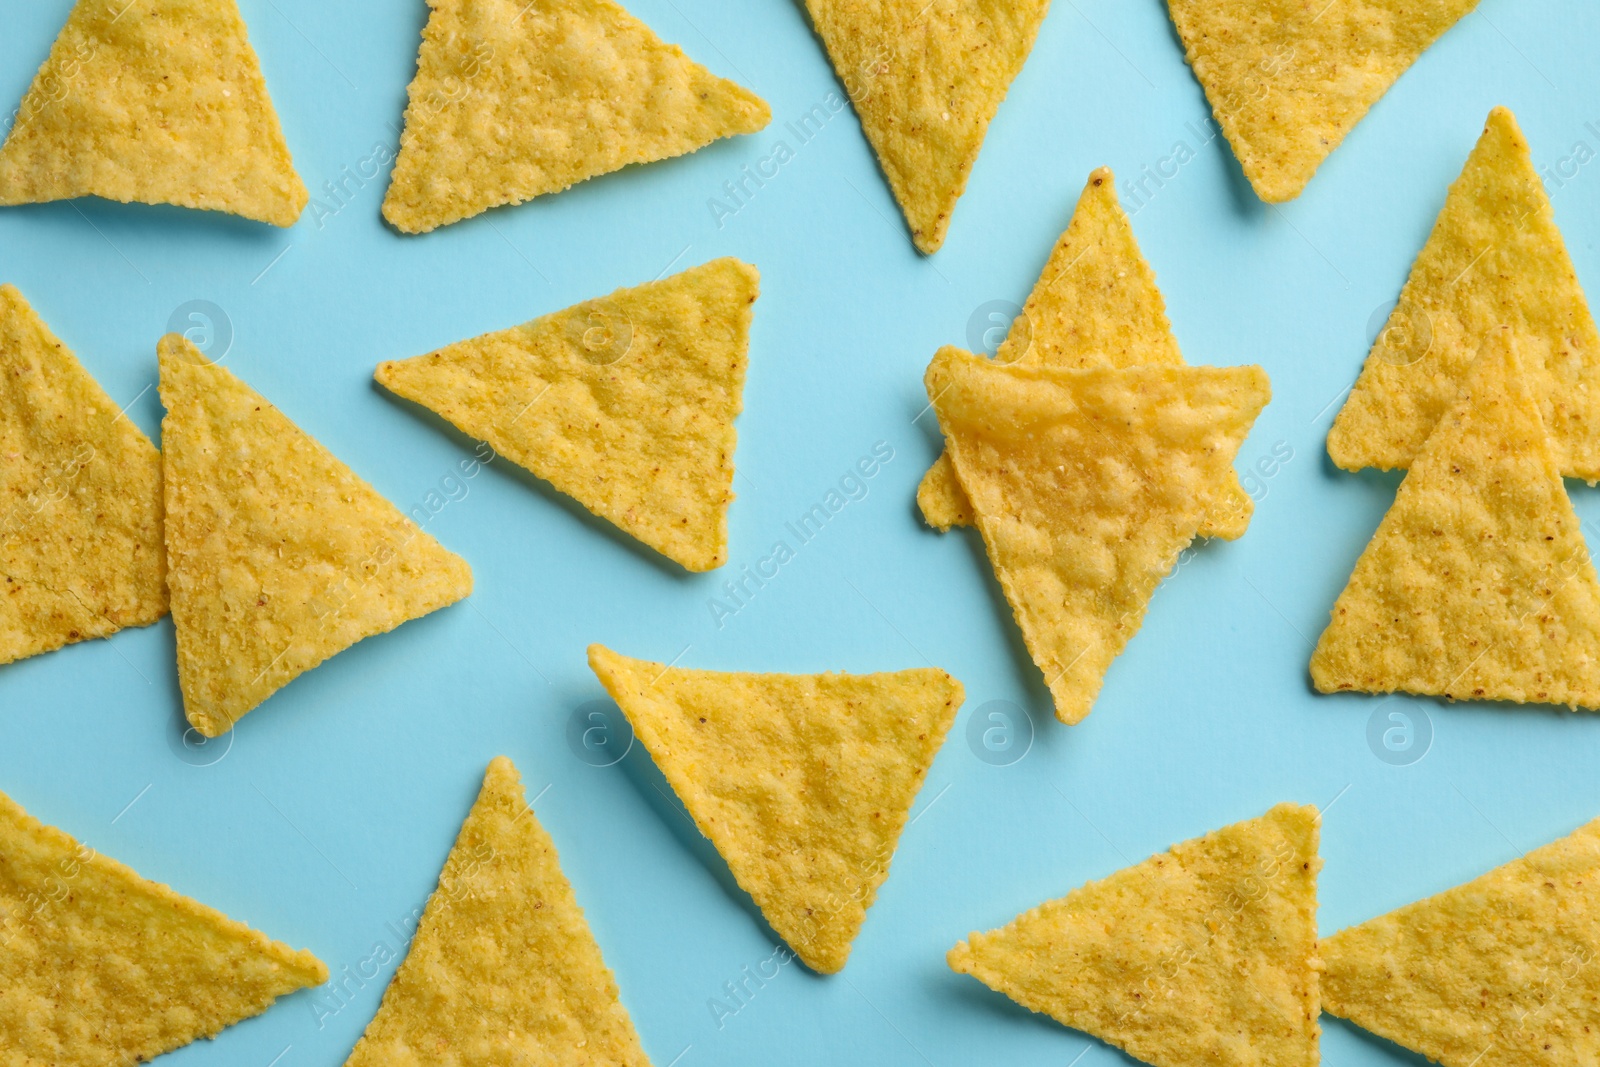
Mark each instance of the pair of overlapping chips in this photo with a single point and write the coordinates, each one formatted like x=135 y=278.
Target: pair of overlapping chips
x=272 y=554
x=162 y=101
x=1486 y=384
x=1086 y=452
x=1208 y=953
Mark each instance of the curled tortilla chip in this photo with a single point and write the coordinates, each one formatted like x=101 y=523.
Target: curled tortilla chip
x=1087 y=484
x=1095 y=305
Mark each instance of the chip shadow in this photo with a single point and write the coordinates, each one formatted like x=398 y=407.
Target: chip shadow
x=168 y=223
x=960 y=993
x=1242 y=195
x=1388 y=1050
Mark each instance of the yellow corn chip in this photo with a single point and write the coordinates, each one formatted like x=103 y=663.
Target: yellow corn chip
x=155 y=102
x=100 y=968
x=802 y=781
x=926 y=77
x=1478 y=584
x=1095 y=305
x=503 y=968
x=1288 y=79
x=279 y=557
x=1495 y=257
x=1087 y=484
x=1498 y=972
x=1206 y=953
x=514 y=99
x=625 y=403
x=80 y=499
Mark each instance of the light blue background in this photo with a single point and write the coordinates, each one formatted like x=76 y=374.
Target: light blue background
x=331 y=812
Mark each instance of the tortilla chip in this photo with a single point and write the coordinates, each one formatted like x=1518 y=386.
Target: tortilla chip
x=1498 y=972
x=1495 y=257
x=1203 y=954
x=926 y=77
x=802 y=781
x=1087 y=484
x=80 y=499
x=1288 y=79
x=1095 y=305
x=625 y=403
x=278 y=556
x=101 y=968
x=513 y=100
x=503 y=968
x=1478 y=584
x=155 y=102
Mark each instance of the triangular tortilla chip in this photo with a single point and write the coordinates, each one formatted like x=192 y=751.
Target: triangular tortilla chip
x=155 y=102
x=1495 y=258
x=80 y=499
x=1206 y=953
x=1478 y=584
x=503 y=968
x=278 y=556
x=1087 y=484
x=1499 y=972
x=1095 y=305
x=1287 y=79
x=802 y=781
x=926 y=77
x=513 y=100
x=100 y=968
x=625 y=403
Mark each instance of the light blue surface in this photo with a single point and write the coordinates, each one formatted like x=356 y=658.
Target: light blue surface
x=332 y=807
